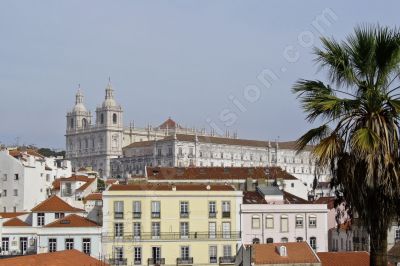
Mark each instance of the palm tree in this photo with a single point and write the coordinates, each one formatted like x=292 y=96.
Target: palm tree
x=358 y=139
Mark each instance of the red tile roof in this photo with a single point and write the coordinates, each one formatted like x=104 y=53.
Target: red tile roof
x=11 y=214
x=59 y=258
x=15 y=222
x=330 y=201
x=19 y=153
x=355 y=258
x=297 y=252
x=254 y=197
x=166 y=187
x=55 y=204
x=217 y=173
x=86 y=185
x=170 y=124
x=293 y=199
x=73 y=220
x=94 y=196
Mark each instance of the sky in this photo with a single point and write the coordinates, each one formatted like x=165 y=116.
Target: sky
x=226 y=65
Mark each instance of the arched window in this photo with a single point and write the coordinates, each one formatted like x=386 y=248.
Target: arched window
x=114 y=118
x=299 y=239
x=256 y=241
x=284 y=223
x=102 y=119
x=284 y=240
x=84 y=122
x=255 y=222
x=270 y=240
x=72 y=123
x=313 y=242
x=269 y=222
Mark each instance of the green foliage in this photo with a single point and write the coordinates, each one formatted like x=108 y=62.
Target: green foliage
x=359 y=137
x=50 y=153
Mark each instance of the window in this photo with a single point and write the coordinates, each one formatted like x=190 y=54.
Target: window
x=52 y=244
x=212 y=209
x=137 y=209
x=184 y=229
x=185 y=253
x=284 y=240
x=212 y=253
x=184 y=209
x=191 y=151
x=180 y=151
x=313 y=242
x=118 y=210
x=114 y=118
x=15 y=192
x=86 y=246
x=137 y=255
x=102 y=119
x=312 y=221
x=136 y=230
x=227 y=251
x=155 y=209
x=158 y=152
x=284 y=223
x=155 y=230
x=299 y=221
x=5 y=244
x=69 y=243
x=212 y=230
x=226 y=209
x=118 y=229
x=226 y=230
x=256 y=241
x=201 y=154
x=4 y=177
x=40 y=219
x=59 y=215
x=255 y=222
x=4 y=194
x=118 y=254
x=270 y=240
x=397 y=233
x=16 y=177
x=47 y=177
x=269 y=222
x=299 y=239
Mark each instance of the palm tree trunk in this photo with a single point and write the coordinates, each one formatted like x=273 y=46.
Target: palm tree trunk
x=378 y=244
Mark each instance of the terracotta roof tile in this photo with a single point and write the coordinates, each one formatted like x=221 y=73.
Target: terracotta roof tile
x=55 y=204
x=94 y=196
x=166 y=187
x=355 y=258
x=11 y=214
x=86 y=185
x=253 y=197
x=217 y=173
x=73 y=220
x=19 y=153
x=170 y=124
x=15 y=222
x=293 y=199
x=59 y=258
x=297 y=252
x=330 y=201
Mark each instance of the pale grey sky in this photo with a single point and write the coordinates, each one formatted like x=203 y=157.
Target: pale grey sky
x=184 y=59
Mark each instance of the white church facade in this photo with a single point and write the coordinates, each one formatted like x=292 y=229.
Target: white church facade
x=114 y=150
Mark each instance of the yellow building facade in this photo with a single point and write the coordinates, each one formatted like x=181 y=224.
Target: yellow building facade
x=162 y=224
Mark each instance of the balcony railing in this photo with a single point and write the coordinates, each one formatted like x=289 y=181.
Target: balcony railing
x=155 y=215
x=213 y=260
x=212 y=215
x=137 y=262
x=160 y=261
x=184 y=261
x=227 y=260
x=66 y=193
x=184 y=214
x=231 y=235
x=118 y=261
x=226 y=214
x=118 y=215
x=137 y=215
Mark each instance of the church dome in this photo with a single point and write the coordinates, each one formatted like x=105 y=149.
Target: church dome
x=109 y=100
x=79 y=106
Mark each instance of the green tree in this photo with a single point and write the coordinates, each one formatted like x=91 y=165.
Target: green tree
x=358 y=139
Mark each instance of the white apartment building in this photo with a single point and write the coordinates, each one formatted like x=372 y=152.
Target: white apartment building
x=53 y=225
x=26 y=178
x=269 y=215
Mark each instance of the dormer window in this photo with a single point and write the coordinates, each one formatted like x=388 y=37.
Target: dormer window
x=59 y=215
x=114 y=118
x=40 y=219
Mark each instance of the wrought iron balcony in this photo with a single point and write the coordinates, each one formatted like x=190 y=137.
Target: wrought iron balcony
x=226 y=214
x=184 y=261
x=190 y=236
x=213 y=260
x=184 y=215
x=155 y=214
x=212 y=215
x=137 y=215
x=118 y=215
x=227 y=260
x=118 y=261
x=159 y=261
